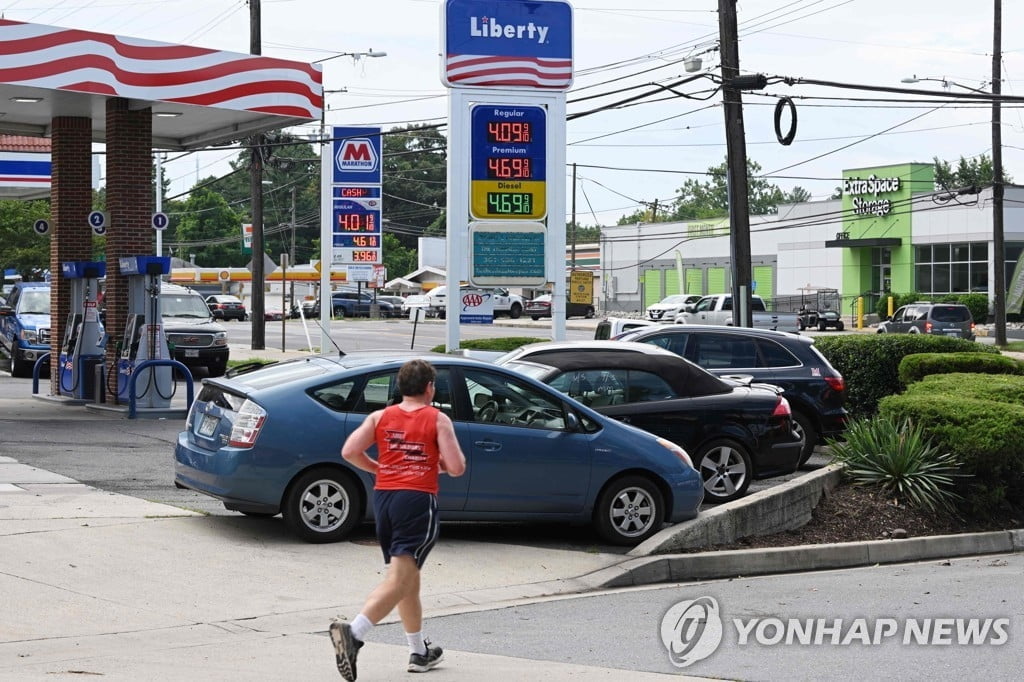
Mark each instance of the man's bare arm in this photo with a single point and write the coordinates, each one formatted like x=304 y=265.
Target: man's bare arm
x=354 y=450
x=453 y=462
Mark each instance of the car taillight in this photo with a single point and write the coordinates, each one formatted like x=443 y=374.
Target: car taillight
x=927 y=327
x=248 y=422
x=838 y=384
x=782 y=408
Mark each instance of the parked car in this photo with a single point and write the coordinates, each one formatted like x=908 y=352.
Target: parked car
x=417 y=301
x=226 y=307
x=736 y=430
x=272 y=312
x=612 y=327
x=396 y=303
x=532 y=453
x=815 y=390
x=944 y=319
x=717 y=309
x=667 y=308
x=541 y=307
x=352 y=303
x=25 y=326
x=195 y=338
x=504 y=302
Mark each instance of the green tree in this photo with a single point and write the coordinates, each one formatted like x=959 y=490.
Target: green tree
x=399 y=260
x=415 y=182
x=212 y=230
x=974 y=172
x=20 y=247
x=697 y=200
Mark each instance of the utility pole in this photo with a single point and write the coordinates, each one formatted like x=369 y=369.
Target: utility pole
x=291 y=252
x=654 y=211
x=736 y=165
x=998 y=244
x=573 y=216
x=256 y=191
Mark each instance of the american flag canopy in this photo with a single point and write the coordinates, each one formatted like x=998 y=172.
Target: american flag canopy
x=87 y=62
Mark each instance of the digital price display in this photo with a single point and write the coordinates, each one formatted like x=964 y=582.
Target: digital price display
x=356 y=230
x=356 y=192
x=508 y=162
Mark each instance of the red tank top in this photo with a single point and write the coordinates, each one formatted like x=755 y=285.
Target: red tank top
x=407 y=449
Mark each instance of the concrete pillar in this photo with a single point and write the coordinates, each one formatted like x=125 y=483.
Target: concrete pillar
x=70 y=203
x=129 y=208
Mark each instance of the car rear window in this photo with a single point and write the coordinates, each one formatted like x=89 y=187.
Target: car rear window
x=951 y=313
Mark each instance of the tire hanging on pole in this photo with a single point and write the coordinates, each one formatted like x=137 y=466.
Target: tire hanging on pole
x=784 y=103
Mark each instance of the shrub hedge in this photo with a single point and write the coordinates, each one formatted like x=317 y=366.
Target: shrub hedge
x=502 y=343
x=916 y=367
x=870 y=363
x=980 y=418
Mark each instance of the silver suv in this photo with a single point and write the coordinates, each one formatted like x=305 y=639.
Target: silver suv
x=922 y=317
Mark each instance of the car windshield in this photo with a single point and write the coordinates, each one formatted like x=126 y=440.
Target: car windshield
x=35 y=302
x=675 y=298
x=184 y=305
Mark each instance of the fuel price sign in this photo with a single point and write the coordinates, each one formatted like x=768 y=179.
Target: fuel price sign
x=508 y=147
x=356 y=234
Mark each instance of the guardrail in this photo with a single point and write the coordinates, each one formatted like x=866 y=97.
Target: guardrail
x=189 y=383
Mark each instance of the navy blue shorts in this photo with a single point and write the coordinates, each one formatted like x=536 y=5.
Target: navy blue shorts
x=407 y=523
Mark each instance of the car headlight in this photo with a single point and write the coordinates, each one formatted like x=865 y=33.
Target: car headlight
x=29 y=336
x=676 y=450
x=220 y=339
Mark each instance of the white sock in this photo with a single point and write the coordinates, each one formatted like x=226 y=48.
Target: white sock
x=361 y=627
x=416 y=643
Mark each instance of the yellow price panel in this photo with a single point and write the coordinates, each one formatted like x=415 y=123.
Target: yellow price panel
x=520 y=199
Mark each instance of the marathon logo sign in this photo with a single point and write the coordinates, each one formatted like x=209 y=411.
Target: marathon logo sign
x=357 y=155
x=487 y=27
x=857 y=187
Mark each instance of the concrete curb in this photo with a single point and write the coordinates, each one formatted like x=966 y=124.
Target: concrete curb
x=749 y=562
x=786 y=506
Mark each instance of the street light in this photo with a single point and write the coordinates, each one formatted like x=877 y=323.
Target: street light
x=998 y=238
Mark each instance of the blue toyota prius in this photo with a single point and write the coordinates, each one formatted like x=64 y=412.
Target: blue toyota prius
x=268 y=441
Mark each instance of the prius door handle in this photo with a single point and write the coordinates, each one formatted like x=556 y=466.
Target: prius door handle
x=488 y=445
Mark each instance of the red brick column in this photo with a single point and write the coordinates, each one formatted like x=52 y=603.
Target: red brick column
x=70 y=203
x=129 y=208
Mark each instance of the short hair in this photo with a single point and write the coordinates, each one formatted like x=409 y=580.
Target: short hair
x=414 y=376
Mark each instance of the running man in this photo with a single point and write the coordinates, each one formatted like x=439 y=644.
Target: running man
x=415 y=443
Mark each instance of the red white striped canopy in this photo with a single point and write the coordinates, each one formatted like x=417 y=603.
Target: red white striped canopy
x=199 y=96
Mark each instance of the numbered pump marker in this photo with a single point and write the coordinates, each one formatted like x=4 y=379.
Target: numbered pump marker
x=508 y=162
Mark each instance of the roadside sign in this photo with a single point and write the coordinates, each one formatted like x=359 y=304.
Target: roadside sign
x=160 y=220
x=508 y=162
x=475 y=306
x=507 y=254
x=41 y=227
x=507 y=44
x=357 y=156
x=581 y=287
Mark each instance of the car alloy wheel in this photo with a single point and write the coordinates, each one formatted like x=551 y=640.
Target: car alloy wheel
x=322 y=505
x=804 y=428
x=725 y=468
x=629 y=511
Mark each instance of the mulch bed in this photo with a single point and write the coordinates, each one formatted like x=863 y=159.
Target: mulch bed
x=851 y=514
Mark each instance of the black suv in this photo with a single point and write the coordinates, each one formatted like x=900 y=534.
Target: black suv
x=815 y=390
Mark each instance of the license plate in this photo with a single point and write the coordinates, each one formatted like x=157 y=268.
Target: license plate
x=952 y=333
x=209 y=425
x=191 y=353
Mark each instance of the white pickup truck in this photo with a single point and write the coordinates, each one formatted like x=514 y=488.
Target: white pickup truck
x=717 y=309
x=505 y=303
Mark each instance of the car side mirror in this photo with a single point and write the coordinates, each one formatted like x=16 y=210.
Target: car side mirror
x=572 y=422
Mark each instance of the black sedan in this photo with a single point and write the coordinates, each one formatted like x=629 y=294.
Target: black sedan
x=541 y=307
x=736 y=431
x=815 y=390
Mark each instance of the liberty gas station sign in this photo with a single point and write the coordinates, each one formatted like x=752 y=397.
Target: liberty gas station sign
x=508 y=64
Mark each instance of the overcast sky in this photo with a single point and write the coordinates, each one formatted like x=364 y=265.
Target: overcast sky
x=873 y=42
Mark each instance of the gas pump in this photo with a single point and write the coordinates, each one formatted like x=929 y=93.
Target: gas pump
x=144 y=337
x=84 y=339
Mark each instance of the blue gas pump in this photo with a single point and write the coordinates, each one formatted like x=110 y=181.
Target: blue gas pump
x=84 y=338
x=144 y=337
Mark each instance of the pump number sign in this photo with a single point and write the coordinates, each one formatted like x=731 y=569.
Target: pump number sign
x=508 y=162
